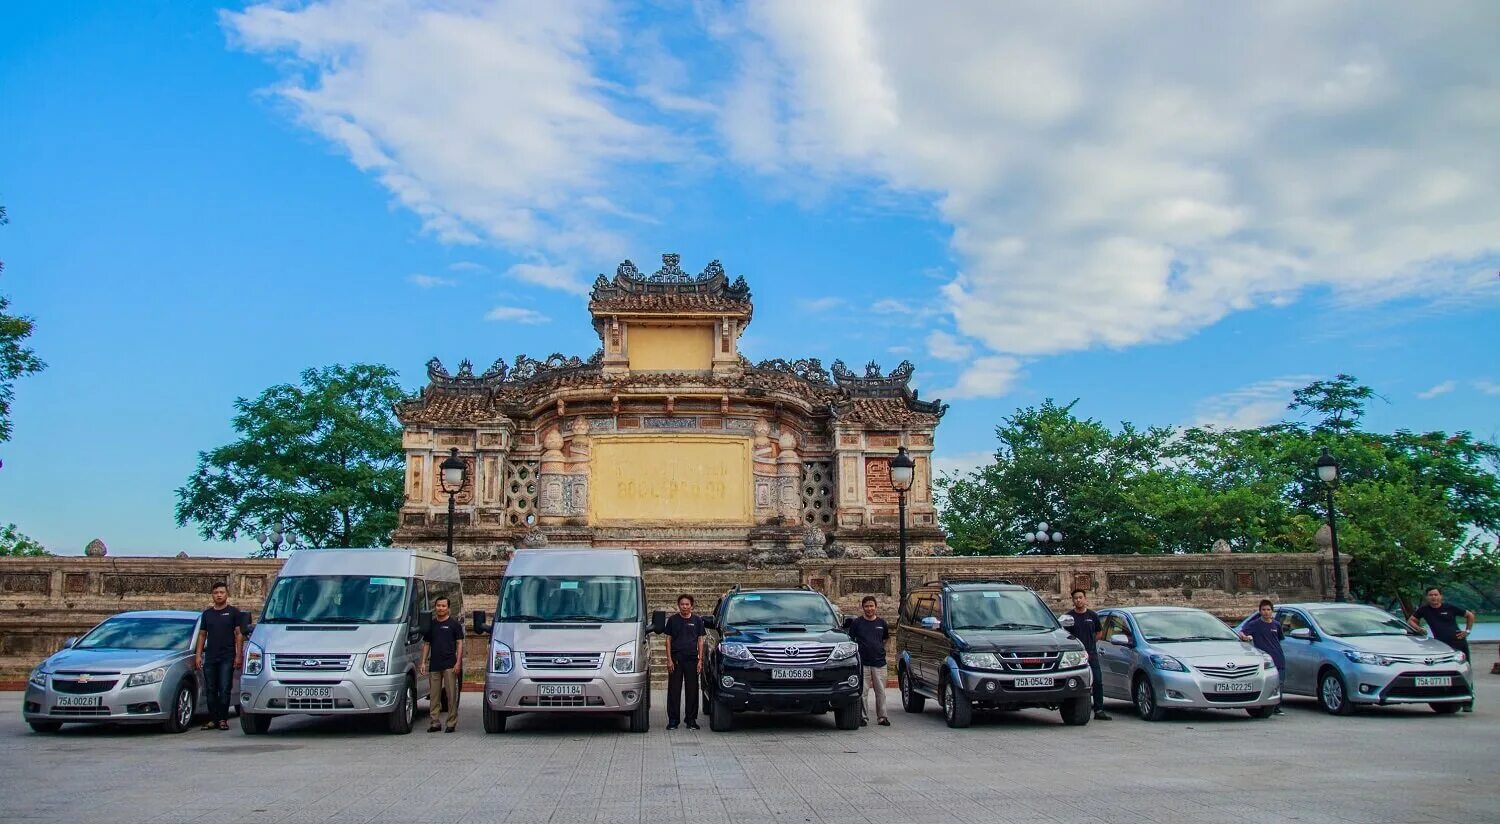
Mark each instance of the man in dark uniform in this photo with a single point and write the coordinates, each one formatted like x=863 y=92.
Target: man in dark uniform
x=1084 y=624
x=684 y=661
x=1264 y=631
x=1442 y=619
x=218 y=654
x=445 y=658
x=870 y=633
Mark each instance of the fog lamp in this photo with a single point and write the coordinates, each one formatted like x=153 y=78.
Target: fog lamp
x=989 y=686
x=726 y=681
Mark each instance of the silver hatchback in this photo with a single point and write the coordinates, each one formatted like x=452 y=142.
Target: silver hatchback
x=1165 y=658
x=134 y=668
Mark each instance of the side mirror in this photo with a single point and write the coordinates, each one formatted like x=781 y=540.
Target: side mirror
x=247 y=623
x=1119 y=639
x=480 y=627
x=658 y=622
x=424 y=622
x=1301 y=632
x=931 y=622
x=710 y=622
x=69 y=641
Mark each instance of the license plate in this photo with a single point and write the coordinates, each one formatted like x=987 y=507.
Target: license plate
x=1434 y=680
x=800 y=674
x=304 y=693
x=1034 y=681
x=1236 y=687
x=79 y=700
x=559 y=689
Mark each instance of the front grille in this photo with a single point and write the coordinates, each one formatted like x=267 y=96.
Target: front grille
x=562 y=660
x=1440 y=658
x=1231 y=697
x=312 y=663
x=791 y=655
x=1030 y=661
x=562 y=701
x=1405 y=686
x=1237 y=671
x=82 y=687
x=80 y=711
x=309 y=703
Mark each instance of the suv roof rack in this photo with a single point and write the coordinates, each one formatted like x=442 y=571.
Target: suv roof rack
x=970 y=579
x=802 y=588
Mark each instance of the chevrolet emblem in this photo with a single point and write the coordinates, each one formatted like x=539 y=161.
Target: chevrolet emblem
x=85 y=678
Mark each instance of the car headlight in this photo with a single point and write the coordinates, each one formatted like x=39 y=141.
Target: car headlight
x=377 y=660
x=1167 y=662
x=254 y=659
x=1360 y=657
x=844 y=649
x=979 y=660
x=141 y=679
x=625 y=658
x=38 y=678
x=1267 y=662
x=501 y=660
x=1073 y=658
x=739 y=652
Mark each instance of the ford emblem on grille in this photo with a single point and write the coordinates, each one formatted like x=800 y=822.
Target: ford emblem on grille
x=310 y=663
x=562 y=661
x=793 y=651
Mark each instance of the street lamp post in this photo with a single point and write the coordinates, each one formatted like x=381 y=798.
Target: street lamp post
x=1328 y=473
x=271 y=541
x=1043 y=538
x=902 y=467
x=452 y=480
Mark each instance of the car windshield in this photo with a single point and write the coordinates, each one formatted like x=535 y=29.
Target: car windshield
x=998 y=609
x=1346 y=622
x=1181 y=625
x=139 y=633
x=336 y=599
x=605 y=599
x=758 y=609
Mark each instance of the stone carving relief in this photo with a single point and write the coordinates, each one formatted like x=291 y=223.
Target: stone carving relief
x=817 y=491
x=520 y=493
x=1288 y=579
x=35 y=582
x=1166 y=579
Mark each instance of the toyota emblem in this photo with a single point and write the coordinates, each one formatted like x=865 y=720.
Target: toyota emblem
x=793 y=651
x=1429 y=661
x=1231 y=665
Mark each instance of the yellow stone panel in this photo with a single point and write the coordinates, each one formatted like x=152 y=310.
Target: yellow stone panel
x=697 y=479
x=670 y=348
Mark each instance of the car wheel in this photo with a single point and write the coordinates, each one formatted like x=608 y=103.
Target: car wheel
x=45 y=727
x=720 y=717
x=1445 y=709
x=1261 y=712
x=1076 y=711
x=847 y=718
x=910 y=700
x=399 y=720
x=494 y=720
x=708 y=703
x=1332 y=696
x=957 y=710
x=254 y=723
x=640 y=717
x=1145 y=701
x=184 y=707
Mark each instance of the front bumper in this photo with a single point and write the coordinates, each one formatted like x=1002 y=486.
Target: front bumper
x=1374 y=684
x=994 y=688
x=1197 y=690
x=752 y=689
x=520 y=692
x=119 y=704
x=349 y=694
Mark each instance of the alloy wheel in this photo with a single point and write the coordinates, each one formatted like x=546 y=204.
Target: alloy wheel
x=184 y=709
x=1333 y=692
x=411 y=704
x=1144 y=702
x=950 y=701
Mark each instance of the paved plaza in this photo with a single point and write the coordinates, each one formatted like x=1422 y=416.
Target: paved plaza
x=1397 y=765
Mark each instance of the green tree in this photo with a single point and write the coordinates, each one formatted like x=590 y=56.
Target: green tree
x=16 y=360
x=323 y=458
x=13 y=544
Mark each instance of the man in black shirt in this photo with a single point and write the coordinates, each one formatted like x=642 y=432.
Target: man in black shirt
x=444 y=651
x=870 y=634
x=684 y=661
x=218 y=654
x=1084 y=624
x=1442 y=619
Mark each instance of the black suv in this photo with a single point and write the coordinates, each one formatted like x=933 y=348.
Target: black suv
x=779 y=650
x=987 y=645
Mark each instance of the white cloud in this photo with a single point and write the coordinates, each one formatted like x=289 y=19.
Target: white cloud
x=429 y=281
x=1488 y=387
x=1440 y=389
x=820 y=305
x=1133 y=173
x=468 y=266
x=549 y=275
x=491 y=121
x=961 y=463
x=1251 y=406
x=944 y=346
x=890 y=306
x=987 y=377
x=516 y=314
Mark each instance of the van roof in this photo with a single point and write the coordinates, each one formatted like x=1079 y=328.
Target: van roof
x=623 y=562
x=375 y=561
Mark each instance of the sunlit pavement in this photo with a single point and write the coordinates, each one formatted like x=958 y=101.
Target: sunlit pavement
x=1399 y=765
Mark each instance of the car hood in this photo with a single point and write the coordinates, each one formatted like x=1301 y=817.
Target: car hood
x=982 y=640
x=592 y=638
x=1397 y=644
x=315 y=639
x=1195 y=650
x=109 y=660
x=761 y=635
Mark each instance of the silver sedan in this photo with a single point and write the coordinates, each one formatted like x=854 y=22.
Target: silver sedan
x=134 y=668
x=1165 y=658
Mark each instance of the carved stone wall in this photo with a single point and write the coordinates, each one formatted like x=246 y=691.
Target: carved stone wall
x=818 y=488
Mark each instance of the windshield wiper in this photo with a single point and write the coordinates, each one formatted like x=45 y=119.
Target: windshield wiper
x=589 y=618
x=342 y=620
x=1187 y=638
x=517 y=619
x=1004 y=625
x=286 y=620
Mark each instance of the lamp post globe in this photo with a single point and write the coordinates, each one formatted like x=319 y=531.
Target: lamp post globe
x=903 y=470
x=452 y=480
x=1328 y=472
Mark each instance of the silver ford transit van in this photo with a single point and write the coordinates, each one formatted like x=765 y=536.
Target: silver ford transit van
x=569 y=635
x=341 y=634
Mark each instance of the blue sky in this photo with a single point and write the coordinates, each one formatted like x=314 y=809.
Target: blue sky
x=1172 y=215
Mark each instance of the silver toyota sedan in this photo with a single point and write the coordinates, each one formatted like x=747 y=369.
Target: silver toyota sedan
x=1352 y=655
x=1166 y=658
x=134 y=668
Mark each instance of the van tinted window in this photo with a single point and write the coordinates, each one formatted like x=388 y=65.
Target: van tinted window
x=563 y=598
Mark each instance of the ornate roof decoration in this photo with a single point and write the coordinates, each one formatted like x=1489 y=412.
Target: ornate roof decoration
x=670 y=289
x=896 y=384
x=808 y=369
